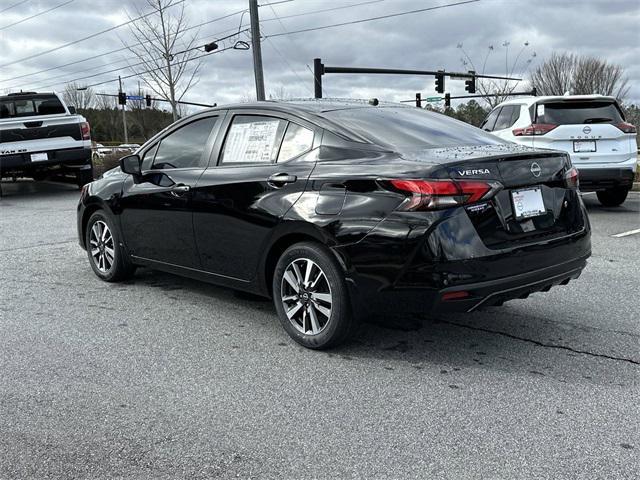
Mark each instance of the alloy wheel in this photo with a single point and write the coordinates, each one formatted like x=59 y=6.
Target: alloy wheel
x=306 y=296
x=102 y=247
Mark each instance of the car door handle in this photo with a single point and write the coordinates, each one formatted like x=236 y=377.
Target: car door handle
x=180 y=189
x=280 y=179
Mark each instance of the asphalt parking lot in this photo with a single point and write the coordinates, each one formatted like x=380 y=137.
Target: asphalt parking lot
x=163 y=377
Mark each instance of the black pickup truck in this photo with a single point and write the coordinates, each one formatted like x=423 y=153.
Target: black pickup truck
x=41 y=136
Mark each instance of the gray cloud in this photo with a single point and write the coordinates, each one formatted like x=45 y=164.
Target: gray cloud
x=428 y=40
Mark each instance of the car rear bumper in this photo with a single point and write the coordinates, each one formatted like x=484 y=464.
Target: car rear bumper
x=71 y=158
x=592 y=179
x=395 y=270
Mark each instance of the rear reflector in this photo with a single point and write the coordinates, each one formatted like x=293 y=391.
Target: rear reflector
x=435 y=194
x=626 y=127
x=533 y=129
x=454 y=295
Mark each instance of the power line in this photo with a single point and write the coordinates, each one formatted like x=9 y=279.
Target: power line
x=35 y=15
x=271 y=42
x=126 y=47
x=14 y=5
x=91 y=69
x=312 y=12
x=159 y=68
x=370 y=19
x=74 y=42
x=130 y=66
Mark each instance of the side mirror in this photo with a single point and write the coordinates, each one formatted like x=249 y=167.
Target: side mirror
x=72 y=109
x=131 y=165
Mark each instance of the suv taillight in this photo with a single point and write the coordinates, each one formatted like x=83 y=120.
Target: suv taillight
x=435 y=194
x=571 y=178
x=533 y=129
x=626 y=127
x=85 y=129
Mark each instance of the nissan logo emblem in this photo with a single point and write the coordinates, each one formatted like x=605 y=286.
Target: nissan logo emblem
x=535 y=169
x=586 y=130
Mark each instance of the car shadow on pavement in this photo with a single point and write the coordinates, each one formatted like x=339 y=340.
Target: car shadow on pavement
x=33 y=189
x=507 y=338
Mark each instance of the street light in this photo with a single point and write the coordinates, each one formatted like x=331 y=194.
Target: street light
x=210 y=47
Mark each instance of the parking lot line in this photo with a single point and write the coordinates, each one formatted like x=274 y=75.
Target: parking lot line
x=626 y=234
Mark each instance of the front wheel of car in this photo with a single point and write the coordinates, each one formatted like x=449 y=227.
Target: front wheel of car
x=311 y=296
x=107 y=258
x=613 y=197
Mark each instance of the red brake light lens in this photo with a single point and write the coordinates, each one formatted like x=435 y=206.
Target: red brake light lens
x=86 y=130
x=571 y=178
x=627 y=127
x=435 y=194
x=533 y=129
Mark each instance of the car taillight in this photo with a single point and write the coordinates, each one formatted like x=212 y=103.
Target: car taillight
x=85 y=129
x=435 y=194
x=571 y=178
x=533 y=129
x=626 y=127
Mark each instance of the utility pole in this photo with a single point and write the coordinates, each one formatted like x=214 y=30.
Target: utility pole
x=257 y=51
x=124 y=115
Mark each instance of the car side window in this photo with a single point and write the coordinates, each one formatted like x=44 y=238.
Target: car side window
x=490 y=121
x=183 y=148
x=297 y=140
x=253 y=139
x=149 y=155
x=504 y=118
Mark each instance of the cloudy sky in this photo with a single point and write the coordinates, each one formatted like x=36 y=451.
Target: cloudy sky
x=452 y=38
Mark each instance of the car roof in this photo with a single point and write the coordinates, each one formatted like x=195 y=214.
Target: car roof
x=530 y=100
x=312 y=105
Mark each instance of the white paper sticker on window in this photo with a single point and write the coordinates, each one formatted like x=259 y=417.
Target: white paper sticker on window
x=251 y=142
x=540 y=110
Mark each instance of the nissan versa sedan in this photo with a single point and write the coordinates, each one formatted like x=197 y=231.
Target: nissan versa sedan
x=337 y=209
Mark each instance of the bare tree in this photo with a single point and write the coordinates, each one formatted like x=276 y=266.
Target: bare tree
x=79 y=96
x=169 y=74
x=499 y=90
x=579 y=75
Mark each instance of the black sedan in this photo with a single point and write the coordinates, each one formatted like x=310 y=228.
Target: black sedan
x=338 y=209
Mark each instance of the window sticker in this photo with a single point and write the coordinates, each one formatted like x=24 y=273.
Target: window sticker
x=251 y=142
x=540 y=110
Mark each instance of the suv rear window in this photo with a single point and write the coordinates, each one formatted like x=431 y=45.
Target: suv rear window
x=571 y=113
x=29 y=105
x=410 y=127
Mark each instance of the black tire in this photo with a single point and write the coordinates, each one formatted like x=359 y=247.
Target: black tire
x=120 y=267
x=613 y=197
x=83 y=177
x=340 y=323
x=39 y=176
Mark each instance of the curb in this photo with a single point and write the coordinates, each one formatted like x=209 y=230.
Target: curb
x=636 y=187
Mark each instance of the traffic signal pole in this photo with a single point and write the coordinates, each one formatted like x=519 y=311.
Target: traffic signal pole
x=124 y=115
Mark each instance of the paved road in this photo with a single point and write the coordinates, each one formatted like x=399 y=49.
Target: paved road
x=163 y=377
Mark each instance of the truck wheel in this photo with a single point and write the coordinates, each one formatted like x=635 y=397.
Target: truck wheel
x=83 y=177
x=311 y=297
x=613 y=197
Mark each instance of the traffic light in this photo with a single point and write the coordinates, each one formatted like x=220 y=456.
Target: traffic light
x=148 y=100
x=470 y=85
x=447 y=100
x=122 y=98
x=440 y=81
x=418 y=100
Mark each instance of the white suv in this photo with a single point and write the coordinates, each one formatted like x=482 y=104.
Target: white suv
x=591 y=128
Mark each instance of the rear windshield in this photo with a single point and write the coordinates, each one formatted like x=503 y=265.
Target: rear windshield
x=29 y=105
x=410 y=127
x=571 y=113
